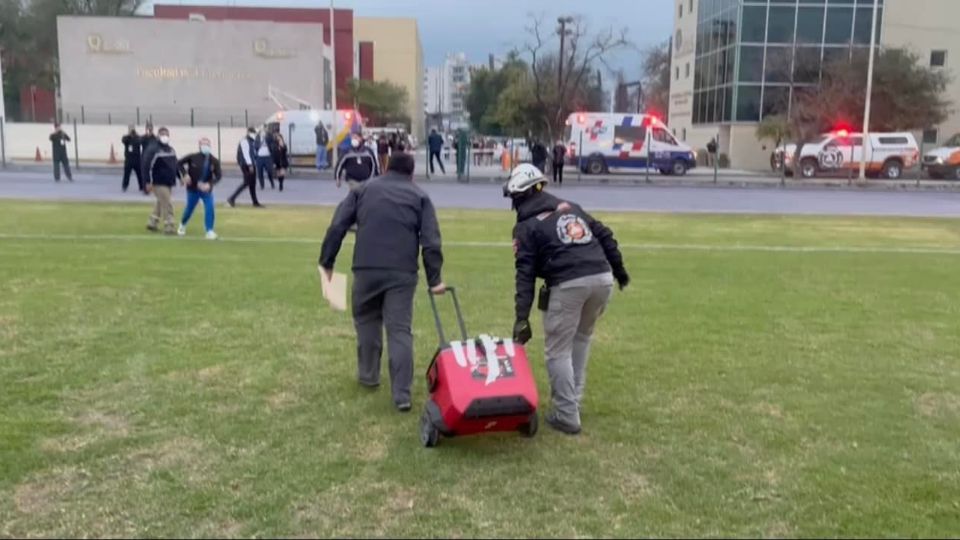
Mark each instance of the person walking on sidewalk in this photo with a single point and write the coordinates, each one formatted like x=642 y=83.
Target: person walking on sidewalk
x=162 y=176
x=248 y=166
x=58 y=142
x=131 y=158
x=396 y=224
x=435 y=143
x=578 y=258
x=202 y=173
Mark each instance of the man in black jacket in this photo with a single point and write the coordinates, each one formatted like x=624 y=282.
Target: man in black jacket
x=358 y=165
x=147 y=143
x=162 y=175
x=579 y=260
x=395 y=221
x=202 y=173
x=131 y=158
x=58 y=143
x=247 y=160
x=538 y=155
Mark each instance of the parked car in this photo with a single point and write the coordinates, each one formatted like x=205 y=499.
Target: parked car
x=888 y=154
x=944 y=162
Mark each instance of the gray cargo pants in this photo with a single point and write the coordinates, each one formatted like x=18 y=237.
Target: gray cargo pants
x=383 y=298
x=568 y=328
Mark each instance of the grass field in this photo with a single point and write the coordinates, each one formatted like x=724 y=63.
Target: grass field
x=760 y=377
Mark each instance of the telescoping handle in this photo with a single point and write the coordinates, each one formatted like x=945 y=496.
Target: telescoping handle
x=436 y=315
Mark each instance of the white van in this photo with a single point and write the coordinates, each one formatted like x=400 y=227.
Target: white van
x=888 y=154
x=623 y=142
x=298 y=127
x=944 y=162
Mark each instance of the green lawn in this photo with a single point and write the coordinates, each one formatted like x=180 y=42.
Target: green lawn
x=157 y=386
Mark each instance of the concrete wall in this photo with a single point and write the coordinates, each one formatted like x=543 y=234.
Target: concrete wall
x=924 y=26
x=398 y=58
x=681 y=90
x=167 y=67
x=93 y=141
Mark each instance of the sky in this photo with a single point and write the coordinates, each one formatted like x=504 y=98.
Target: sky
x=481 y=27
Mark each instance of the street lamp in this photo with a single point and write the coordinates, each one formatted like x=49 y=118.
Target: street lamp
x=563 y=22
x=866 y=111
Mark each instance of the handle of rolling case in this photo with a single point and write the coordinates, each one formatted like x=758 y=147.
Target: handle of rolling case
x=436 y=315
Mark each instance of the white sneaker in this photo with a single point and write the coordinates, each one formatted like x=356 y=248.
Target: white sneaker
x=212 y=235
x=182 y=231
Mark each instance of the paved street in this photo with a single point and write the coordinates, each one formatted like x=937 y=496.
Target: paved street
x=487 y=195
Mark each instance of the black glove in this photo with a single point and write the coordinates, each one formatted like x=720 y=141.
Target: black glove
x=522 y=332
x=623 y=279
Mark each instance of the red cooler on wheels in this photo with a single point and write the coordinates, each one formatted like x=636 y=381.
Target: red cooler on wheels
x=480 y=385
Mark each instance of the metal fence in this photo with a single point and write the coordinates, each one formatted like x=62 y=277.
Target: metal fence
x=174 y=116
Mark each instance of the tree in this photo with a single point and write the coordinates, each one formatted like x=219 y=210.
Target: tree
x=486 y=87
x=380 y=102
x=557 y=97
x=28 y=38
x=656 y=78
x=907 y=95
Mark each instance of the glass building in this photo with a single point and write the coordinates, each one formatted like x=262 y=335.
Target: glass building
x=752 y=56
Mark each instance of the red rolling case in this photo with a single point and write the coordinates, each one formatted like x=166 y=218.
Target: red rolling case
x=481 y=385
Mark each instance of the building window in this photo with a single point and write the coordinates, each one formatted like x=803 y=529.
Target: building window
x=688 y=70
x=680 y=13
x=753 y=29
x=931 y=136
x=839 y=25
x=751 y=64
x=782 y=21
x=748 y=104
x=684 y=134
x=691 y=7
x=938 y=58
x=810 y=25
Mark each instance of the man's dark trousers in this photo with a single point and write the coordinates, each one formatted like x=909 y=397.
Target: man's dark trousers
x=384 y=299
x=249 y=182
x=61 y=159
x=130 y=165
x=439 y=160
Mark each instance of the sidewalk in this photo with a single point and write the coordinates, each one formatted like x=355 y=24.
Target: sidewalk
x=701 y=177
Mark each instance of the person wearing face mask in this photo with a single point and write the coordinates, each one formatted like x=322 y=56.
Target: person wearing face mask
x=357 y=165
x=202 y=173
x=162 y=175
x=131 y=158
x=246 y=158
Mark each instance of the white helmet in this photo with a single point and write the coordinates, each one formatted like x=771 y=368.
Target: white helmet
x=522 y=178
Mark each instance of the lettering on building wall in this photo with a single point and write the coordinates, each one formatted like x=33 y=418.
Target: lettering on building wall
x=96 y=44
x=196 y=73
x=263 y=49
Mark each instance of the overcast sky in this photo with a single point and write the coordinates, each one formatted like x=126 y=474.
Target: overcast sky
x=448 y=26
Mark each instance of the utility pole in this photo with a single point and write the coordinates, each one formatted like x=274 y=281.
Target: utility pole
x=333 y=86
x=866 y=111
x=564 y=21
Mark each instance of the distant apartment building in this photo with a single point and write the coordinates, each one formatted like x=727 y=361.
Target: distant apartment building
x=445 y=90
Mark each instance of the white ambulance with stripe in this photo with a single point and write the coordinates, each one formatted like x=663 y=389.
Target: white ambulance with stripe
x=604 y=142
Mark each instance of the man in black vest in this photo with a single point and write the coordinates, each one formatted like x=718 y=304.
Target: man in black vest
x=58 y=142
x=131 y=158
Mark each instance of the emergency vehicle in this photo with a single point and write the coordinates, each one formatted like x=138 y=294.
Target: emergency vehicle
x=944 y=162
x=604 y=142
x=297 y=126
x=888 y=154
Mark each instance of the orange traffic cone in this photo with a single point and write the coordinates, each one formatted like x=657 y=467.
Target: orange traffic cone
x=38 y=157
x=113 y=155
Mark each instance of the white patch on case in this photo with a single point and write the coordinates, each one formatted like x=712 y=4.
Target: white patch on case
x=458 y=353
x=493 y=363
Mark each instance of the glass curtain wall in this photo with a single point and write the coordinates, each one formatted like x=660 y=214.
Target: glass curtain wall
x=753 y=55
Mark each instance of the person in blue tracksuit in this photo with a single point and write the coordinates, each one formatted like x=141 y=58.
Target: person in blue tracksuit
x=202 y=173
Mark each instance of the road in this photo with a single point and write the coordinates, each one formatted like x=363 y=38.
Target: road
x=488 y=195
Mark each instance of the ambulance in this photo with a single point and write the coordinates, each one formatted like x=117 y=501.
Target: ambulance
x=944 y=162
x=298 y=127
x=602 y=142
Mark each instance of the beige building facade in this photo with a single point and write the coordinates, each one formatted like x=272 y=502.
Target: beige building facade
x=728 y=70
x=185 y=72
x=398 y=58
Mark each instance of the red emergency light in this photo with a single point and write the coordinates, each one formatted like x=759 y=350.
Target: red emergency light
x=843 y=133
x=581 y=119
